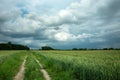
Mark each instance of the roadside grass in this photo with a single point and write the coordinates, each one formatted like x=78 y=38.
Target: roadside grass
x=4 y=54
x=81 y=65
x=10 y=66
x=32 y=71
x=7 y=52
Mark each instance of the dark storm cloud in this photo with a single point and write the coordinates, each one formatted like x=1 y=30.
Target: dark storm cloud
x=111 y=10
x=84 y=23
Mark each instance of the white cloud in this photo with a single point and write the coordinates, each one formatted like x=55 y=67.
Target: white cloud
x=62 y=36
x=63 y=21
x=85 y=35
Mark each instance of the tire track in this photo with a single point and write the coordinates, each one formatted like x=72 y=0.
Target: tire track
x=20 y=74
x=45 y=73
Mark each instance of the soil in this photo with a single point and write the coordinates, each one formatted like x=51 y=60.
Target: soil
x=20 y=74
x=45 y=73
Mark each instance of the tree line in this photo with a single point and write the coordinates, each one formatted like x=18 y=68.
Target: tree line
x=50 y=48
x=96 y=49
x=10 y=46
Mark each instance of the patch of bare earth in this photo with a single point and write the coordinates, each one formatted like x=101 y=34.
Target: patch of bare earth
x=20 y=74
x=45 y=73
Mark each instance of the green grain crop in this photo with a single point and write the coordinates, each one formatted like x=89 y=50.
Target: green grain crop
x=81 y=65
x=62 y=65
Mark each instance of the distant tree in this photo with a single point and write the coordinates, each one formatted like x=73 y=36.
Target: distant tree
x=47 y=48
x=108 y=48
x=111 y=48
x=105 y=48
x=93 y=49
x=10 y=46
x=74 y=49
x=9 y=43
x=117 y=49
x=82 y=48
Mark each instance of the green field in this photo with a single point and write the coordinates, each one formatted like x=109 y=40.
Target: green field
x=62 y=65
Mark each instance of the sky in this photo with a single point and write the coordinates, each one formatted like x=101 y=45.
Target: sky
x=61 y=24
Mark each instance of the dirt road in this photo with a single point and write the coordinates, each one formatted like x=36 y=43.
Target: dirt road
x=20 y=74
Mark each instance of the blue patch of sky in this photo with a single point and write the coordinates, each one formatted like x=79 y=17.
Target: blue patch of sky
x=24 y=12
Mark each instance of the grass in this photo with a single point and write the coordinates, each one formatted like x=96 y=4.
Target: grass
x=62 y=65
x=81 y=65
x=5 y=53
x=32 y=71
x=10 y=66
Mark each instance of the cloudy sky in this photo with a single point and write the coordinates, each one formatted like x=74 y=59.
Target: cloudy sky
x=61 y=23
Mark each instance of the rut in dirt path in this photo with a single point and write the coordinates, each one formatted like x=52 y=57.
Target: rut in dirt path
x=20 y=74
x=45 y=73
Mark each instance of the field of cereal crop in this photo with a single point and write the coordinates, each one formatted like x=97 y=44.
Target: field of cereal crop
x=61 y=65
